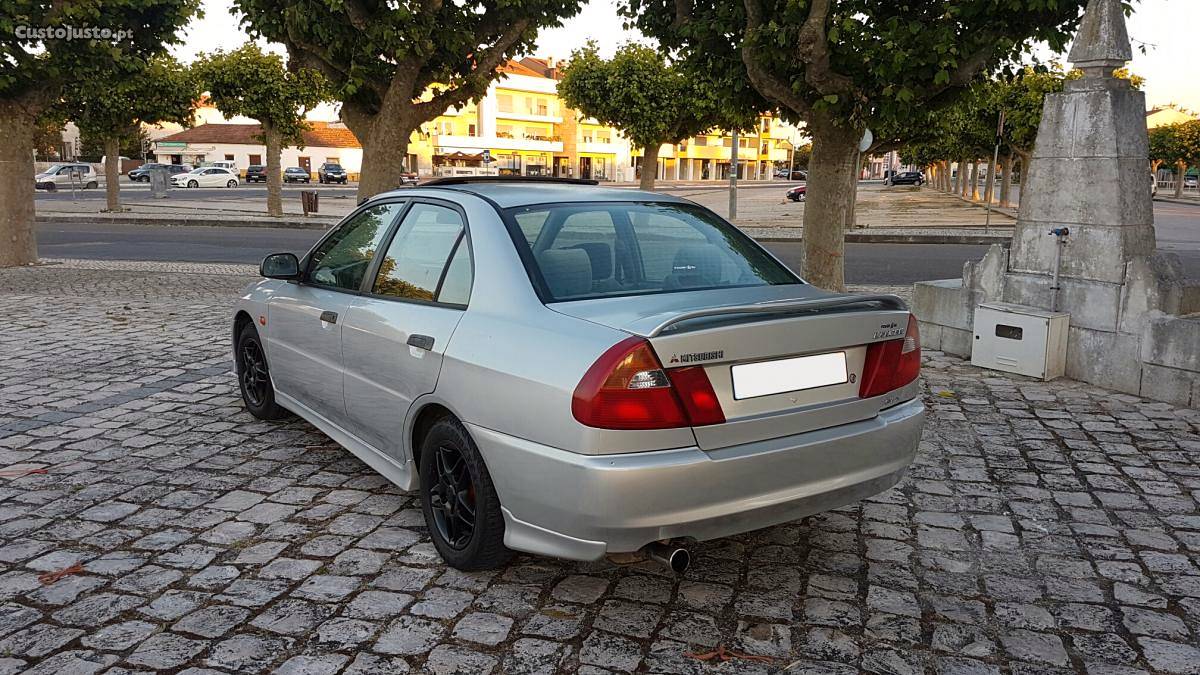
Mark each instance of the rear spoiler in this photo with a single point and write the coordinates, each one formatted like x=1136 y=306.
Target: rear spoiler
x=882 y=301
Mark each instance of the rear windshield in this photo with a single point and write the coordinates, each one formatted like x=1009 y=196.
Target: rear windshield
x=595 y=250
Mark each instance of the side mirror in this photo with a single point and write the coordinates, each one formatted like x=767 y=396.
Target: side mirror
x=280 y=266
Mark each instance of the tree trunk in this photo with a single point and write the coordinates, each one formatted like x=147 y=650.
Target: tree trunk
x=964 y=187
x=18 y=242
x=649 y=166
x=947 y=183
x=274 y=171
x=832 y=183
x=384 y=136
x=973 y=192
x=112 y=173
x=989 y=188
x=1180 y=177
x=1006 y=165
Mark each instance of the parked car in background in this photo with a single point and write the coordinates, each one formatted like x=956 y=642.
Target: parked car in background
x=66 y=176
x=206 y=176
x=331 y=173
x=256 y=173
x=792 y=175
x=295 y=174
x=798 y=193
x=574 y=371
x=223 y=164
x=1190 y=181
x=409 y=178
x=905 y=178
x=142 y=173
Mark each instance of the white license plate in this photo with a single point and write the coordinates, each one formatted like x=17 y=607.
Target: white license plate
x=796 y=374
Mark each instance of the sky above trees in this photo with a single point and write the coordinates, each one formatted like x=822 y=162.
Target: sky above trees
x=1171 y=64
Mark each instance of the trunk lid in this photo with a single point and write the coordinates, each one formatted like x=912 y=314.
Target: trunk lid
x=782 y=359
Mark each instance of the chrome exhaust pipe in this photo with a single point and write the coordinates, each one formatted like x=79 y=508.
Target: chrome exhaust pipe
x=677 y=559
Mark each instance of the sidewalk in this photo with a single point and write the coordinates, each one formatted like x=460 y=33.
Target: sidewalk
x=1044 y=528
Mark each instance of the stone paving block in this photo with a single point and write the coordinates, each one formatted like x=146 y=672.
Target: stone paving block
x=1045 y=527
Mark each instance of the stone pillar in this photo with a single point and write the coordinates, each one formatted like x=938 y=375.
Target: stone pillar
x=1088 y=172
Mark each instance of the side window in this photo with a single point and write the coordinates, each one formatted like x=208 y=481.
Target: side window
x=456 y=286
x=342 y=260
x=413 y=265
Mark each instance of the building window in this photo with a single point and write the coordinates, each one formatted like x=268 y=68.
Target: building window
x=727 y=142
x=504 y=102
x=471 y=130
x=701 y=141
x=333 y=160
x=228 y=158
x=256 y=159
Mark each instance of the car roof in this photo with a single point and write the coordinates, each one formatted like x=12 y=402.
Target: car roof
x=510 y=194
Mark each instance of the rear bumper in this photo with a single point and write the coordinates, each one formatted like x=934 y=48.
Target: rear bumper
x=575 y=506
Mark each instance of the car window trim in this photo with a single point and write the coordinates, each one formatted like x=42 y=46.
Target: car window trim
x=306 y=261
x=463 y=234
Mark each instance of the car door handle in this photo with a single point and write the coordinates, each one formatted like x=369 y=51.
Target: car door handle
x=421 y=342
x=329 y=317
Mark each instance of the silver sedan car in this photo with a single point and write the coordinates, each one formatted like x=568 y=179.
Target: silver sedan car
x=577 y=371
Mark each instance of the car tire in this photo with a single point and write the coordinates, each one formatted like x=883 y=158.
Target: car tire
x=450 y=462
x=193 y=184
x=231 y=183
x=254 y=376
x=91 y=185
x=51 y=187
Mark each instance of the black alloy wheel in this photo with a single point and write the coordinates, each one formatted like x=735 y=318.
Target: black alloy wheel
x=452 y=498
x=459 y=501
x=254 y=377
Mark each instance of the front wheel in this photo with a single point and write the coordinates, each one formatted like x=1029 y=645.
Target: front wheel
x=92 y=185
x=459 y=501
x=231 y=183
x=193 y=184
x=254 y=377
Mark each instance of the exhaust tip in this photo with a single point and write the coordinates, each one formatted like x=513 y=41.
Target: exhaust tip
x=677 y=559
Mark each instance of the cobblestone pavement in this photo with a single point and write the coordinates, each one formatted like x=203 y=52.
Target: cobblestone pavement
x=1045 y=528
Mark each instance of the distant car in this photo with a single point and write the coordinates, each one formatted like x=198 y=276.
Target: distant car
x=791 y=175
x=330 y=172
x=408 y=178
x=206 y=176
x=142 y=173
x=1190 y=181
x=905 y=178
x=223 y=164
x=65 y=175
x=798 y=193
x=256 y=173
x=295 y=174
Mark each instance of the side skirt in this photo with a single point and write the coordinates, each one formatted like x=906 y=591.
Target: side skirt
x=398 y=473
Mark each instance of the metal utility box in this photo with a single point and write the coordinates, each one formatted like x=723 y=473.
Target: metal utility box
x=1019 y=339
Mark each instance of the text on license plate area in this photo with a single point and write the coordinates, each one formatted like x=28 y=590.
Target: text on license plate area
x=795 y=374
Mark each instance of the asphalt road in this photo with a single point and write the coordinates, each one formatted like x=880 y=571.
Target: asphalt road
x=865 y=263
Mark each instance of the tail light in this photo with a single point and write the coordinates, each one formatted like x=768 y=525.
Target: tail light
x=627 y=388
x=892 y=364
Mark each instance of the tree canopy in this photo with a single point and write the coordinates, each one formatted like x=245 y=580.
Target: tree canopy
x=250 y=82
x=650 y=101
x=842 y=65
x=45 y=44
x=114 y=102
x=396 y=65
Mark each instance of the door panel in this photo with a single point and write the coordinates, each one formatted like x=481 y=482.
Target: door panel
x=383 y=373
x=305 y=351
x=304 y=321
x=393 y=339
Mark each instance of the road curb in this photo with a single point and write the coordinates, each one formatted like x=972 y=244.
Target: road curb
x=316 y=223
x=1173 y=200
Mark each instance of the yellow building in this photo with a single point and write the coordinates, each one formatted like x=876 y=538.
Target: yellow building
x=521 y=127
x=1162 y=116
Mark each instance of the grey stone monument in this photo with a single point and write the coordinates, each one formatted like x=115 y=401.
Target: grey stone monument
x=1128 y=303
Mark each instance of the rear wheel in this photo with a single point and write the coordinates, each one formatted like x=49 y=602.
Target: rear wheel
x=192 y=183
x=92 y=185
x=459 y=501
x=254 y=377
x=231 y=183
